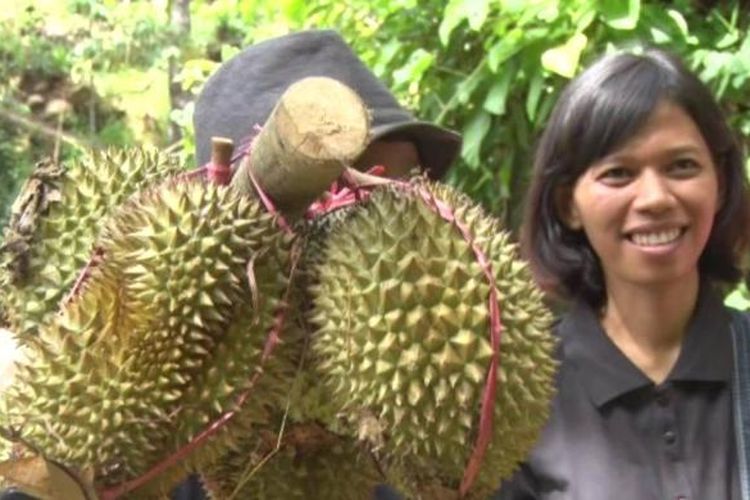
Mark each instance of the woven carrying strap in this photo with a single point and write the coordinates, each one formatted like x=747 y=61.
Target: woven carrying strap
x=741 y=396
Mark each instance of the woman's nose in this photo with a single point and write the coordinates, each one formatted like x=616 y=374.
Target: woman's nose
x=653 y=192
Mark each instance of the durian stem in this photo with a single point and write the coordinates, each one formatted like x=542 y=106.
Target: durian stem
x=318 y=127
x=220 y=169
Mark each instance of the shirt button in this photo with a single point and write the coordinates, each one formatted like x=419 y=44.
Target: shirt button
x=670 y=437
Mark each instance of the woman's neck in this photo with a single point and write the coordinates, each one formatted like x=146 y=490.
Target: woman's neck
x=648 y=323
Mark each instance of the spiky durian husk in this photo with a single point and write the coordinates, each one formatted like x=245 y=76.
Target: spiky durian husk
x=55 y=220
x=401 y=309
x=311 y=463
x=165 y=333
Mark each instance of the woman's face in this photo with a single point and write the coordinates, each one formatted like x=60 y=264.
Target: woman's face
x=648 y=207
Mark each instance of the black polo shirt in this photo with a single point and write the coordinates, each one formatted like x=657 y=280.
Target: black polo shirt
x=613 y=434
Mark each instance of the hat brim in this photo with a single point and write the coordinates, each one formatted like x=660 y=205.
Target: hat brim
x=437 y=147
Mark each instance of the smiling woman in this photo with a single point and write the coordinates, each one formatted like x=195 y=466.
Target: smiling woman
x=647 y=209
x=637 y=212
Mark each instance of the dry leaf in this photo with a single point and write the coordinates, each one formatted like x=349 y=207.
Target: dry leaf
x=41 y=478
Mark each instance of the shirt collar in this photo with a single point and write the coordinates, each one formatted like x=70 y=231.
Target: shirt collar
x=606 y=373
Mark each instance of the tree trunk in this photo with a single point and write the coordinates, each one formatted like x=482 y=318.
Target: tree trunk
x=179 y=21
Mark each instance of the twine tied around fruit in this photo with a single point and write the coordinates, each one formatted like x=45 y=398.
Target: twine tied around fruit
x=354 y=187
x=220 y=172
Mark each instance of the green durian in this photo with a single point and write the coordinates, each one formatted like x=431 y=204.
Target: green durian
x=402 y=343
x=310 y=463
x=55 y=221
x=164 y=334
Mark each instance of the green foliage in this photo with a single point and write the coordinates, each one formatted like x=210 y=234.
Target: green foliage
x=491 y=69
x=496 y=67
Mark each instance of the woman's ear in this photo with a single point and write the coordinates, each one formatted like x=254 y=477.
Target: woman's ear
x=566 y=209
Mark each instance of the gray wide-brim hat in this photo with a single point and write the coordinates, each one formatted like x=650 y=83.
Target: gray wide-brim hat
x=244 y=90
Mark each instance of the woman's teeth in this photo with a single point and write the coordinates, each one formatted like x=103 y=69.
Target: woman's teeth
x=655 y=238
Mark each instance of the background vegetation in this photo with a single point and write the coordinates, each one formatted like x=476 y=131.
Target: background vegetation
x=100 y=72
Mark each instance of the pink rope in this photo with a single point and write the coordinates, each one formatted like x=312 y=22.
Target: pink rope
x=218 y=174
x=182 y=453
x=222 y=176
x=268 y=203
x=490 y=387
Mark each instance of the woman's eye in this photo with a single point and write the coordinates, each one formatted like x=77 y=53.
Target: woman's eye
x=615 y=175
x=684 y=166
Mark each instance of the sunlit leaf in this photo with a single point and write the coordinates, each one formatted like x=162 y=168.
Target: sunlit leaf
x=584 y=17
x=727 y=40
x=621 y=14
x=550 y=12
x=659 y=36
x=739 y=299
x=419 y=61
x=679 y=20
x=294 y=10
x=476 y=12
x=452 y=17
x=513 y=6
x=229 y=51
x=564 y=58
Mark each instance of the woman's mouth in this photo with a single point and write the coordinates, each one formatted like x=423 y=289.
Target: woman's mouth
x=656 y=238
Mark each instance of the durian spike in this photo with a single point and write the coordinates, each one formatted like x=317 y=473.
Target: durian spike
x=10 y=352
x=318 y=127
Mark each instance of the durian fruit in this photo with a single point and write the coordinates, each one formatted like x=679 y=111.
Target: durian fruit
x=310 y=463
x=402 y=335
x=55 y=220
x=164 y=334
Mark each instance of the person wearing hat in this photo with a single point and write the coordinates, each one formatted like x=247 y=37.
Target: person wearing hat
x=245 y=89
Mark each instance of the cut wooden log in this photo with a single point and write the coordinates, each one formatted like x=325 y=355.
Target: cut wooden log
x=318 y=127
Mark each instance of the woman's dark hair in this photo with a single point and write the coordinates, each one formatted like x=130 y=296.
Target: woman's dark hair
x=597 y=113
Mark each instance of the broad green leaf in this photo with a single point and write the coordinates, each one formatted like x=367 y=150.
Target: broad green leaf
x=452 y=17
x=564 y=58
x=473 y=135
x=682 y=25
x=466 y=88
x=679 y=20
x=495 y=101
x=584 y=19
x=550 y=12
x=385 y=55
x=727 y=40
x=411 y=72
x=659 y=37
x=294 y=10
x=512 y=6
x=714 y=64
x=504 y=49
x=535 y=92
x=621 y=14
x=476 y=12
x=229 y=51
